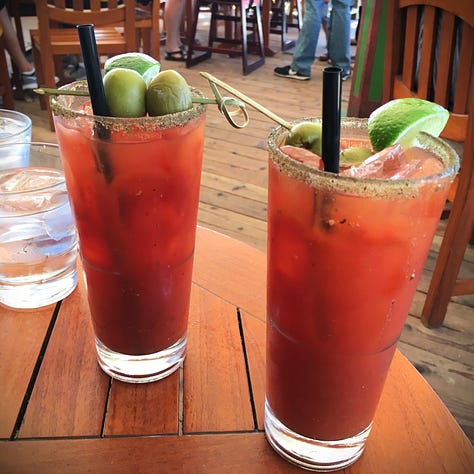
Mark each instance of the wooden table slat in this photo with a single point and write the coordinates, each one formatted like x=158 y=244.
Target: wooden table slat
x=21 y=337
x=216 y=393
x=69 y=397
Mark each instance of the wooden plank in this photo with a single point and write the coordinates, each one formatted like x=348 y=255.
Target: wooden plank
x=238 y=204
x=237 y=187
x=54 y=409
x=143 y=409
x=216 y=394
x=179 y=454
x=217 y=268
x=21 y=333
x=452 y=380
x=409 y=422
x=445 y=60
x=239 y=226
x=254 y=333
x=428 y=47
x=421 y=405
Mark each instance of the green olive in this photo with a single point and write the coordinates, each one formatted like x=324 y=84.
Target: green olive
x=125 y=92
x=167 y=93
x=306 y=135
x=354 y=156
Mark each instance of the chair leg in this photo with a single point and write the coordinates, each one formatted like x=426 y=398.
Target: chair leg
x=39 y=74
x=5 y=82
x=247 y=67
x=456 y=238
x=191 y=58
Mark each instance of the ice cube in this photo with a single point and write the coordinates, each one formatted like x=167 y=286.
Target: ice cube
x=303 y=155
x=383 y=164
x=395 y=163
x=27 y=179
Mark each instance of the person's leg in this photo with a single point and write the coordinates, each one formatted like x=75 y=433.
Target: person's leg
x=307 y=42
x=340 y=36
x=173 y=16
x=325 y=27
x=12 y=45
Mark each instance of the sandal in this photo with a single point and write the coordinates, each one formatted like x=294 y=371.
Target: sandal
x=176 y=55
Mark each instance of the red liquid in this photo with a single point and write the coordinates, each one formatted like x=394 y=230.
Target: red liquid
x=342 y=272
x=136 y=224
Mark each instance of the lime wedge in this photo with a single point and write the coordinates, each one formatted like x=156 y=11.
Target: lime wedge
x=138 y=62
x=401 y=120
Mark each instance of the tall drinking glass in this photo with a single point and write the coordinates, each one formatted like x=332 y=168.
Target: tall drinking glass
x=134 y=190
x=344 y=258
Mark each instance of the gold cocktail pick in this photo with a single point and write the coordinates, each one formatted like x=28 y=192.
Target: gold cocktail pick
x=230 y=107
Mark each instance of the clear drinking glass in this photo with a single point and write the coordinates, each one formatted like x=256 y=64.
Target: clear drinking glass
x=344 y=258
x=38 y=242
x=15 y=127
x=134 y=189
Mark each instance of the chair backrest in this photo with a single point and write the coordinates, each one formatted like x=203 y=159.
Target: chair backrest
x=430 y=44
x=100 y=13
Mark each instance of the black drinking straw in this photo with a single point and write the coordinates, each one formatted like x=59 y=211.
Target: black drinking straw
x=95 y=84
x=90 y=57
x=331 y=127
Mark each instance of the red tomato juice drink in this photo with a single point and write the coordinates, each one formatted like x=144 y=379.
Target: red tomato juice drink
x=134 y=190
x=344 y=258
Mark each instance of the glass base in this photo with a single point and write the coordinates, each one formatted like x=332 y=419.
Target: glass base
x=39 y=293
x=143 y=368
x=312 y=454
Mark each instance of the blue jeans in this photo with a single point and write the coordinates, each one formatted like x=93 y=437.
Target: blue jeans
x=339 y=46
x=307 y=42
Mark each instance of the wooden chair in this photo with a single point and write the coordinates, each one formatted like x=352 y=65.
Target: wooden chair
x=235 y=40
x=6 y=92
x=17 y=10
x=430 y=44
x=50 y=41
x=147 y=23
x=285 y=14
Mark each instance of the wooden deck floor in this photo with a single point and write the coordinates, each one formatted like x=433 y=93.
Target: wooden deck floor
x=234 y=196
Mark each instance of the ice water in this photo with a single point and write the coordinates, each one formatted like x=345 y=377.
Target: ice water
x=15 y=127
x=37 y=238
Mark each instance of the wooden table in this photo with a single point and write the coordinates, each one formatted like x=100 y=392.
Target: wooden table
x=60 y=413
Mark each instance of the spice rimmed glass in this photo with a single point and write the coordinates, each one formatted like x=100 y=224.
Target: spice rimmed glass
x=134 y=190
x=344 y=259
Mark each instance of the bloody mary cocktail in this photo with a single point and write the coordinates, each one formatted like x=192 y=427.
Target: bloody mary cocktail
x=134 y=190
x=345 y=253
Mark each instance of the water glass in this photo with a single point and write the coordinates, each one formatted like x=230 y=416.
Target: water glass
x=15 y=127
x=38 y=243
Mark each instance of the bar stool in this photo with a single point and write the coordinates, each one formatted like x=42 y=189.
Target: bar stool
x=231 y=41
x=285 y=14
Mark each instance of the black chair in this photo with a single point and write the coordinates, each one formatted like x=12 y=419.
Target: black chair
x=235 y=29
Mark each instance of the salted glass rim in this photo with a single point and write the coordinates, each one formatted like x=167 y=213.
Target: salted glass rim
x=381 y=187
x=66 y=106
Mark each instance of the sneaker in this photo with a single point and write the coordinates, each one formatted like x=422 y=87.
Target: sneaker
x=290 y=73
x=28 y=80
x=345 y=76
